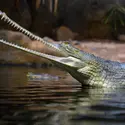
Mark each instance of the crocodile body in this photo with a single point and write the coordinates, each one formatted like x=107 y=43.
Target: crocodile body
x=84 y=67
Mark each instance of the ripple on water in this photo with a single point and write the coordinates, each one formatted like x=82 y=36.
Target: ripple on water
x=56 y=102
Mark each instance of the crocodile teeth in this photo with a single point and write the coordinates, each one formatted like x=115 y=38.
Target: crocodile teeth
x=8 y=21
x=28 y=34
x=20 y=29
x=24 y=31
x=14 y=26
x=32 y=36
x=2 y=17
x=36 y=38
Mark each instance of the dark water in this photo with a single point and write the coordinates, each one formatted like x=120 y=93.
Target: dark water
x=61 y=102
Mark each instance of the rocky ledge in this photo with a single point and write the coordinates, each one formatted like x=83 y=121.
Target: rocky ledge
x=107 y=49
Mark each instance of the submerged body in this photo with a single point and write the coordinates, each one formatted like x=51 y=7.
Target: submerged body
x=41 y=77
x=84 y=67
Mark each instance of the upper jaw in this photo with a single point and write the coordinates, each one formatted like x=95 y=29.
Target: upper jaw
x=57 y=47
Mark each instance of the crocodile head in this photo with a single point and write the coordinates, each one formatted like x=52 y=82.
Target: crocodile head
x=62 y=48
x=74 y=66
x=68 y=50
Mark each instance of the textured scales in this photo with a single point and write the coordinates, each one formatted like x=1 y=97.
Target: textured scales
x=86 y=68
x=88 y=72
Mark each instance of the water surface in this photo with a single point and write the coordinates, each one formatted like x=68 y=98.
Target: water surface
x=56 y=102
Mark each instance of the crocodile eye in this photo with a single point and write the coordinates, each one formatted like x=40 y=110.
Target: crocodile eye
x=67 y=48
x=76 y=50
x=66 y=43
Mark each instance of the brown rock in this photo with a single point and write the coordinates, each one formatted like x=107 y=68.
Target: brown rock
x=121 y=37
x=14 y=36
x=64 y=33
x=86 y=16
x=97 y=29
x=14 y=56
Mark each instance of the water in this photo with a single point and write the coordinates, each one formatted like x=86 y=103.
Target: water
x=60 y=102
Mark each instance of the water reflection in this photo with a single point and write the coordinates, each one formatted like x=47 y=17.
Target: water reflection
x=62 y=102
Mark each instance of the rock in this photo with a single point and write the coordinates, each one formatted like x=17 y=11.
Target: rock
x=14 y=56
x=121 y=37
x=86 y=17
x=14 y=36
x=98 y=30
x=43 y=16
x=64 y=33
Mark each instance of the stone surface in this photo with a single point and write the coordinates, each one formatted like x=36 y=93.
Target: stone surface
x=64 y=33
x=106 y=49
x=14 y=36
x=102 y=48
x=43 y=17
x=14 y=56
x=121 y=37
x=86 y=16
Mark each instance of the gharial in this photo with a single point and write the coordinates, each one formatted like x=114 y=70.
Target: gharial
x=88 y=69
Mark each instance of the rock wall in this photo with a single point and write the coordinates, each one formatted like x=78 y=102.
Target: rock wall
x=31 y=14
x=84 y=17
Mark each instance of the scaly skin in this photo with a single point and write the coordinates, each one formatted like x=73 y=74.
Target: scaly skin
x=88 y=72
x=86 y=68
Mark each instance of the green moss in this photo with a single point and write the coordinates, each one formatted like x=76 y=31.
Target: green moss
x=115 y=17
